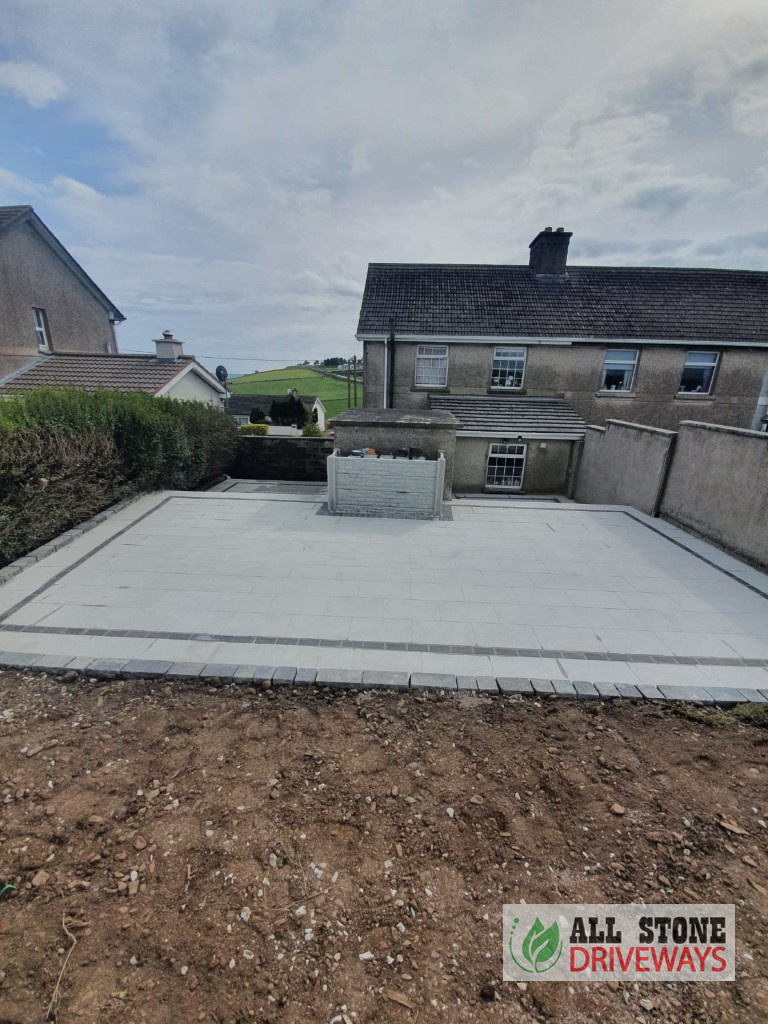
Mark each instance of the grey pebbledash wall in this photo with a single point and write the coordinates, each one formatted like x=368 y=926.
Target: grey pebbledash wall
x=281 y=458
x=609 y=476
x=709 y=479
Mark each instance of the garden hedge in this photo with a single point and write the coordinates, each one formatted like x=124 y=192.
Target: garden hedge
x=67 y=454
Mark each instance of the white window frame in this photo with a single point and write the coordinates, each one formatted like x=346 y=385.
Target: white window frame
x=508 y=355
x=429 y=358
x=515 y=452
x=41 y=329
x=702 y=365
x=626 y=357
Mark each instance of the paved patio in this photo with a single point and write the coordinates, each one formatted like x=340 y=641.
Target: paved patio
x=257 y=575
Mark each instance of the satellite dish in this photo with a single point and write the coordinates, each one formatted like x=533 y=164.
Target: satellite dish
x=221 y=373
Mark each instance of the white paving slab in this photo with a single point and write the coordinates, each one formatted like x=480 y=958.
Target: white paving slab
x=204 y=576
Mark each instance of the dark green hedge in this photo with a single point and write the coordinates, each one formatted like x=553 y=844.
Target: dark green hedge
x=67 y=454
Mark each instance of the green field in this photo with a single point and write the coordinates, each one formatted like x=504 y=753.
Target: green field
x=307 y=380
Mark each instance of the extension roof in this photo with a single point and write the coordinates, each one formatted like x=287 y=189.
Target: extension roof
x=12 y=216
x=494 y=415
x=587 y=302
x=116 y=372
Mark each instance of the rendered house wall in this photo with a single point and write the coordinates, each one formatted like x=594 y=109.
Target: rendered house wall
x=574 y=372
x=32 y=275
x=546 y=468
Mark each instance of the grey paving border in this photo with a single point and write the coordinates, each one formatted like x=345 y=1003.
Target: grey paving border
x=359 y=679
x=391 y=645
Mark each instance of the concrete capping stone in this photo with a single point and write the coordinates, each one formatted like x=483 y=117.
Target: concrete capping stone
x=346 y=677
x=675 y=692
x=564 y=687
x=512 y=684
x=433 y=681
x=284 y=675
x=487 y=684
x=108 y=666
x=726 y=695
x=607 y=691
x=21 y=659
x=138 y=668
x=216 y=669
x=541 y=687
x=585 y=689
x=629 y=691
x=466 y=682
x=305 y=677
x=385 y=680
x=650 y=692
x=185 y=670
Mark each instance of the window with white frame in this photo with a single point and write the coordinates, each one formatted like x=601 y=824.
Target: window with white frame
x=508 y=368
x=431 y=366
x=41 y=329
x=698 y=373
x=506 y=465
x=619 y=369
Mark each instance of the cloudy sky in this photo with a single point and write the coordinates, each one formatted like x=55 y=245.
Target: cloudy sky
x=227 y=168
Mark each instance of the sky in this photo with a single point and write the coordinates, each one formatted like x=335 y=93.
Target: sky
x=226 y=169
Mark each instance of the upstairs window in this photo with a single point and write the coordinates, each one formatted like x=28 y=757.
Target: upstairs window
x=41 y=329
x=619 y=369
x=698 y=373
x=431 y=366
x=508 y=368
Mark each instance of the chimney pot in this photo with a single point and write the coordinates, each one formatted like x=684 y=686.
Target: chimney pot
x=549 y=252
x=169 y=334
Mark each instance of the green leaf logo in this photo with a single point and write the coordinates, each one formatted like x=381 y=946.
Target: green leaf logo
x=539 y=946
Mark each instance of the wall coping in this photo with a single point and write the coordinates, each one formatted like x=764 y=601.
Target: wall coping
x=641 y=426
x=436 y=419
x=721 y=429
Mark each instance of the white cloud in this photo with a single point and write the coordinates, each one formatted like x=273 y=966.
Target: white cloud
x=262 y=154
x=31 y=82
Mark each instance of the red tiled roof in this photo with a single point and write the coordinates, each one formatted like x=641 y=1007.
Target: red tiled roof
x=90 y=371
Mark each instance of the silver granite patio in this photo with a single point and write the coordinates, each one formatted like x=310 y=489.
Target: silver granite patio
x=260 y=575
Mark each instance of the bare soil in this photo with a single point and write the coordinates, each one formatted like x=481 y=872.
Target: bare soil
x=193 y=852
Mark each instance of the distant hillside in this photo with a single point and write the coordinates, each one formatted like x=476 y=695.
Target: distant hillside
x=308 y=380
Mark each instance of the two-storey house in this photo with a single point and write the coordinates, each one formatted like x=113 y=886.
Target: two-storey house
x=525 y=355
x=47 y=301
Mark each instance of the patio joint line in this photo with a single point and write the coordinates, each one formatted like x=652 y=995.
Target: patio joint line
x=376 y=645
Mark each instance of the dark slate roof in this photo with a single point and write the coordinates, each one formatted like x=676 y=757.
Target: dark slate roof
x=10 y=213
x=589 y=302
x=241 y=405
x=512 y=416
x=90 y=371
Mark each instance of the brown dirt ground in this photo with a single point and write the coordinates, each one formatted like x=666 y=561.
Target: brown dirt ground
x=226 y=854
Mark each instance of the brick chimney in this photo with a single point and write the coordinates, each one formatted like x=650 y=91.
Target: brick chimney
x=169 y=348
x=549 y=252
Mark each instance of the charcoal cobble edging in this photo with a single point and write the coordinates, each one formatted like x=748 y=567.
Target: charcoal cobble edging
x=265 y=676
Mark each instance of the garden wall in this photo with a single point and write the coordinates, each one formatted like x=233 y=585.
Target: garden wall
x=282 y=458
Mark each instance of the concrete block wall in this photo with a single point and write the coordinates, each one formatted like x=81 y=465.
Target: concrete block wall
x=281 y=458
x=385 y=486
x=718 y=487
x=624 y=464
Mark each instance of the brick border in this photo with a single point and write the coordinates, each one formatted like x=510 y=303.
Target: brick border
x=263 y=676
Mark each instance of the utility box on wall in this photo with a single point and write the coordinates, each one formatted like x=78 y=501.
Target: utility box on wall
x=386 y=486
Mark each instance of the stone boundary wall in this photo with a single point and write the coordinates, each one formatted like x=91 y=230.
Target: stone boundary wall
x=281 y=458
x=718 y=487
x=624 y=464
x=706 y=478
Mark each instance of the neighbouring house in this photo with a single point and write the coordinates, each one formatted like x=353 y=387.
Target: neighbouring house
x=525 y=355
x=168 y=373
x=239 y=407
x=48 y=302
